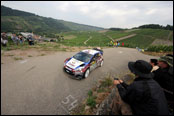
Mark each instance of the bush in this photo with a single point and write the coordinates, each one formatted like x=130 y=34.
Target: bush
x=160 y=48
x=90 y=93
x=91 y=101
x=107 y=82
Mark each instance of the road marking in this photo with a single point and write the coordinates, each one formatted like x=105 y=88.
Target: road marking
x=24 y=61
x=31 y=68
x=120 y=52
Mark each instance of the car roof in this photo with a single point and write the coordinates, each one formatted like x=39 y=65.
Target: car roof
x=90 y=51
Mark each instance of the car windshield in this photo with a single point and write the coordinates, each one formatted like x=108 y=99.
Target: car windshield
x=84 y=57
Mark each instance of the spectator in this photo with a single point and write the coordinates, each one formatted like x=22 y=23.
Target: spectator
x=117 y=44
x=123 y=44
x=111 y=43
x=15 y=39
x=154 y=63
x=164 y=76
x=4 y=36
x=4 y=42
x=4 y=39
x=30 y=40
x=144 y=95
x=21 y=40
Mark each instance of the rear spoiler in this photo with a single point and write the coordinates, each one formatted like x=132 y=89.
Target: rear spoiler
x=98 y=50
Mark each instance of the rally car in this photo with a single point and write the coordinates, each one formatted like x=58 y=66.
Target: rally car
x=82 y=63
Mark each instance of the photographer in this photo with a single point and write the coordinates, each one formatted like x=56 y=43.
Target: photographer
x=144 y=95
x=164 y=77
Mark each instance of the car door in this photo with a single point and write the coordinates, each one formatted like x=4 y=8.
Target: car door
x=93 y=63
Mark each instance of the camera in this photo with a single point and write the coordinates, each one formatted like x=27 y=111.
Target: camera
x=116 y=79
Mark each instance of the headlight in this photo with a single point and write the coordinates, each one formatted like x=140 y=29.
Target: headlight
x=80 y=68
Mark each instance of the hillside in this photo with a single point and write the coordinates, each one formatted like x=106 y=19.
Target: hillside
x=141 y=38
x=80 y=27
x=15 y=21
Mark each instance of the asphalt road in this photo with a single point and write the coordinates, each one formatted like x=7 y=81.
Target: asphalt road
x=39 y=86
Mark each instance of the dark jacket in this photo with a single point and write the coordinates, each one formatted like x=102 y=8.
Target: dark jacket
x=164 y=77
x=145 y=97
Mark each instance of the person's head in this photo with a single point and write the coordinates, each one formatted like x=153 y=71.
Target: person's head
x=153 y=62
x=141 y=68
x=169 y=55
x=165 y=61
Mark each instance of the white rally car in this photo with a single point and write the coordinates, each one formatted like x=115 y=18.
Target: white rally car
x=82 y=63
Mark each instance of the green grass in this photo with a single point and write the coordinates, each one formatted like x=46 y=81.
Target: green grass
x=30 y=56
x=138 y=41
x=91 y=102
x=42 y=55
x=160 y=48
x=18 y=58
x=101 y=90
x=107 y=82
x=117 y=34
x=98 y=39
x=90 y=93
x=156 y=33
x=143 y=39
x=78 y=41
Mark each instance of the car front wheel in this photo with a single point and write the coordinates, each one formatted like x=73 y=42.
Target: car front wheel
x=101 y=64
x=86 y=74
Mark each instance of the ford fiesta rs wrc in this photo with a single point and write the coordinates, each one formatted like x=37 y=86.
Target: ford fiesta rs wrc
x=82 y=63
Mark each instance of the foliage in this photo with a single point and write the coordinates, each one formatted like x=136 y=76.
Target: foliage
x=107 y=82
x=20 y=21
x=90 y=93
x=160 y=48
x=91 y=102
x=156 y=26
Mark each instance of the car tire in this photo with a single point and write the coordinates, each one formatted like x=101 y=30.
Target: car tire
x=101 y=64
x=86 y=74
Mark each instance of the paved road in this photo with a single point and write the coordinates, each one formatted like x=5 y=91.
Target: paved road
x=39 y=86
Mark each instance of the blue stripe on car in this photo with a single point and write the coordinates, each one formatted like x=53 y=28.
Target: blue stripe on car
x=68 y=60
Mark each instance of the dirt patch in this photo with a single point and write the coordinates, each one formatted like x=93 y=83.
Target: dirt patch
x=103 y=31
x=14 y=55
x=162 y=42
x=130 y=30
x=70 y=37
x=125 y=37
x=157 y=53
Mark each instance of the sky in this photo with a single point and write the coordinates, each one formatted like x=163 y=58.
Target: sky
x=106 y=14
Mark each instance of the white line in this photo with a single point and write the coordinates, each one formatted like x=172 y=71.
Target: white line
x=24 y=61
x=120 y=52
x=88 y=40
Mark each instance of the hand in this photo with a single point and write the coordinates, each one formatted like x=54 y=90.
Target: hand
x=121 y=81
x=116 y=82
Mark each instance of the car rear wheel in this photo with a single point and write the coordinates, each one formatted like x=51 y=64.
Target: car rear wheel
x=86 y=74
x=101 y=64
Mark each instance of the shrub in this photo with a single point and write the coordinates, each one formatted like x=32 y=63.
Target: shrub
x=91 y=101
x=160 y=48
x=107 y=82
x=90 y=93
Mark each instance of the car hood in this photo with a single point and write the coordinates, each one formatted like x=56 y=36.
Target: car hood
x=73 y=63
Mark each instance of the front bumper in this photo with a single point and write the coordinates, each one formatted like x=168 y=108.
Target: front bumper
x=72 y=72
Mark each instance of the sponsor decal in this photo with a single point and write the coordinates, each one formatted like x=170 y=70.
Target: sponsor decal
x=73 y=63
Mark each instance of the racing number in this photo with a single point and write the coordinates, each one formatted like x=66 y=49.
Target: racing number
x=72 y=105
x=67 y=99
